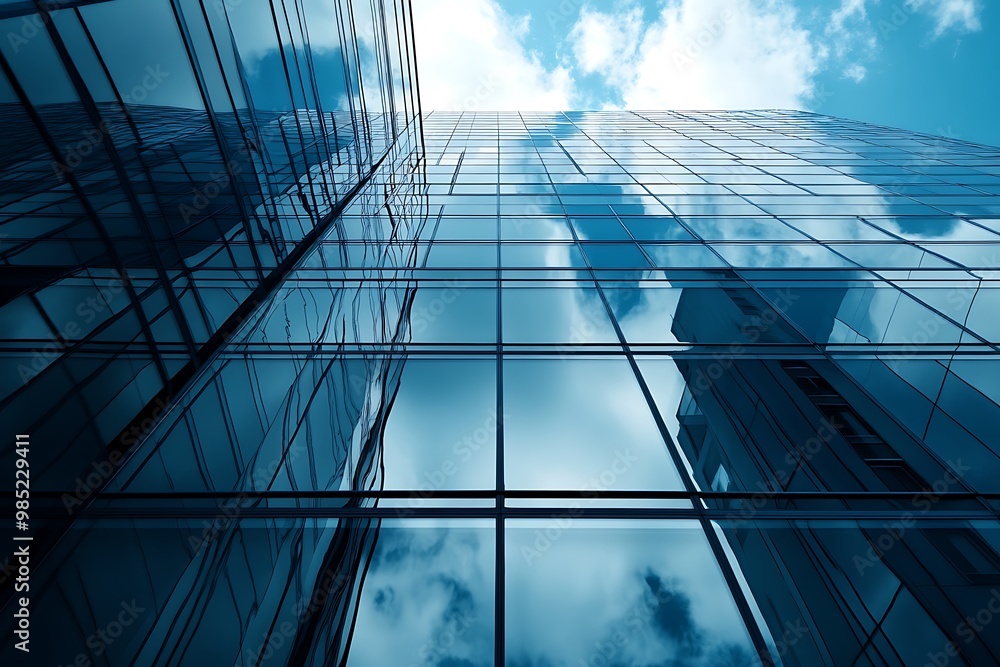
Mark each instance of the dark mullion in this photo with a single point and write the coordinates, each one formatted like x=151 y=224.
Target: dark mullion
x=779 y=517
x=500 y=595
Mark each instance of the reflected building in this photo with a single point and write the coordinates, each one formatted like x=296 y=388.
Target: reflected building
x=374 y=386
x=802 y=436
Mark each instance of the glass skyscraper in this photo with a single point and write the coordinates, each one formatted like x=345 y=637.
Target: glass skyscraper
x=315 y=377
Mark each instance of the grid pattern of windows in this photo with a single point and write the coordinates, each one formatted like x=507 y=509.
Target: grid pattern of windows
x=596 y=388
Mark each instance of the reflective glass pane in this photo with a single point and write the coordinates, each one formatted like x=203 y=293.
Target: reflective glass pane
x=441 y=431
x=580 y=424
x=428 y=597
x=555 y=315
x=625 y=592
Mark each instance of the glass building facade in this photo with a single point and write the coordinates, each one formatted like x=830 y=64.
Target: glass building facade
x=165 y=163
x=469 y=389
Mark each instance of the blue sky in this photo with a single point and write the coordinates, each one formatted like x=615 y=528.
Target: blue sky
x=926 y=65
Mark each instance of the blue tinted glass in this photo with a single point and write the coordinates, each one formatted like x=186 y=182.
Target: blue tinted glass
x=315 y=376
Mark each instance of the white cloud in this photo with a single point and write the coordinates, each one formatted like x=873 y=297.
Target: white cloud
x=856 y=72
x=854 y=37
x=852 y=34
x=849 y=22
x=703 y=54
x=472 y=56
x=600 y=41
x=959 y=15
x=849 y=9
x=689 y=54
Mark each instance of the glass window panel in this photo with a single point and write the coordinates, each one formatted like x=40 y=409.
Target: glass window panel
x=837 y=229
x=466 y=229
x=895 y=255
x=428 y=596
x=645 y=313
x=943 y=229
x=775 y=255
x=535 y=229
x=661 y=596
x=580 y=424
x=742 y=229
x=974 y=256
x=599 y=229
x=148 y=67
x=454 y=313
x=819 y=579
x=615 y=256
x=555 y=315
x=441 y=431
x=36 y=64
x=537 y=255
x=682 y=255
x=863 y=315
x=457 y=255
x=651 y=228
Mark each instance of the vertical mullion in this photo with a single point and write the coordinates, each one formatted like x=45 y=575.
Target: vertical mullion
x=500 y=599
